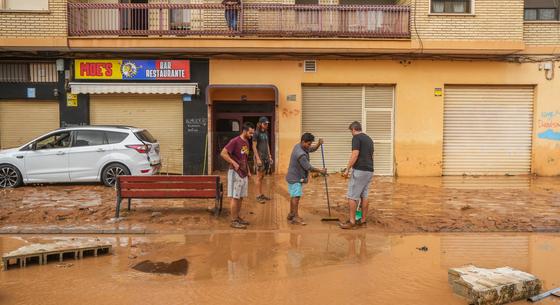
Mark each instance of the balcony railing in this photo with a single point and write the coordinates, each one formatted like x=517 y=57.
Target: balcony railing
x=255 y=19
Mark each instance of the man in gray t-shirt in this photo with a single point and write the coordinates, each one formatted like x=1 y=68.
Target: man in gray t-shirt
x=298 y=172
x=262 y=156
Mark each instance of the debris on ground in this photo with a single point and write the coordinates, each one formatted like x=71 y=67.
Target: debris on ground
x=423 y=249
x=466 y=207
x=179 y=267
x=554 y=292
x=493 y=286
x=64 y=265
x=42 y=253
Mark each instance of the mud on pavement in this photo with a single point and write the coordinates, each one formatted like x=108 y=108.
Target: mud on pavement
x=448 y=204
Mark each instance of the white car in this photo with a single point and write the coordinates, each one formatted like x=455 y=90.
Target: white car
x=81 y=154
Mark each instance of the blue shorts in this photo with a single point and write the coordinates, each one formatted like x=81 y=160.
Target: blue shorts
x=295 y=189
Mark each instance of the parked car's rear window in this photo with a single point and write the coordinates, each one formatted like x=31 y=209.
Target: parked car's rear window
x=145 y=136
x=115 y=137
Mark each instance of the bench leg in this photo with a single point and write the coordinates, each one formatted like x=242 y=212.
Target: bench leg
x=217 y=208
x=129 y=200
x=118 y=209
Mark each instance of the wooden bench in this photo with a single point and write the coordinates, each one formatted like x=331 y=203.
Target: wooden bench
x=163 y=187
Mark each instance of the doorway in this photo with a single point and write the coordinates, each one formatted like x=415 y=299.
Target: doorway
x=228 y=120
x=134 y=19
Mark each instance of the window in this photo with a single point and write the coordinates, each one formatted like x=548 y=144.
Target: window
x=541 y=10
x=57 y=140
x=27 y=5
x=451 y=7
x=533 y=14
x=28 y=72
x=180 y=19
x=115 y=137
x=145 y=136
x=89 y=138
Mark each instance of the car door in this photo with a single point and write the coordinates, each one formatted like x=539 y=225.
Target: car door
x=89 y=150
x=47 y=160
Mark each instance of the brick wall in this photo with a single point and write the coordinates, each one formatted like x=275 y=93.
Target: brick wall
x=493 y=20
x=35 y=24
x=541 y=33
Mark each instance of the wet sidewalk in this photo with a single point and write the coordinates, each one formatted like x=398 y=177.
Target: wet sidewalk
x=448 y=204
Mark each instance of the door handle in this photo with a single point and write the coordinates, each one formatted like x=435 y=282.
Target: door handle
x=19 y=157
x=60 y=153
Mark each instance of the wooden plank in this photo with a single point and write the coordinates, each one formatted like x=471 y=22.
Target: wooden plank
x=168 y=194
x=165 y=185
x=168 y=178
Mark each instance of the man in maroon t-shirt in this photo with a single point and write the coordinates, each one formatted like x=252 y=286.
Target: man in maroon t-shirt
x=236 y=153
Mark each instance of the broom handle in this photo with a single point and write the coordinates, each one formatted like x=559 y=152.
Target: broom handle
x=326 y=183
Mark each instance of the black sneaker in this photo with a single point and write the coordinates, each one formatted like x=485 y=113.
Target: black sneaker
x=237 y=225
x=242 y=221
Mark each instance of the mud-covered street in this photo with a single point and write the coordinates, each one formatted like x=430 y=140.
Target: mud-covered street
x=449 y=204
x=328 y=267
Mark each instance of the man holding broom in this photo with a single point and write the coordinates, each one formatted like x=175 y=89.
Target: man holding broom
x=298 y=173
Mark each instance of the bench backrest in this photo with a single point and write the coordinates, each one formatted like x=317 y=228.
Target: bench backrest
x=169 y=186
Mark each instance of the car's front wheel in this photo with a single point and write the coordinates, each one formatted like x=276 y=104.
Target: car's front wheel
x=9 y=176
x=111 y=172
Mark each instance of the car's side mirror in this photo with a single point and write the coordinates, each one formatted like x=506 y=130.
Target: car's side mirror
x=31 y=146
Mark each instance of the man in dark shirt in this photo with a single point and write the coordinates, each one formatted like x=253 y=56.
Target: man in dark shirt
x=263 y=157
x=361 y=163
x=236 y=153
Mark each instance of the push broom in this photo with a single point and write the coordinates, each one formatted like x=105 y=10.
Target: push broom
x=329 y=218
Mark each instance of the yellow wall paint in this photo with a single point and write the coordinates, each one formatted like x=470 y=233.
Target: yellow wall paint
x=418 y=113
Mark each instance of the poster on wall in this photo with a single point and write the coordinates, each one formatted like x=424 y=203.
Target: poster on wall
x=132 y=69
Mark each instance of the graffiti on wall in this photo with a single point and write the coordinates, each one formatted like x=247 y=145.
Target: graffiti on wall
x=549 y=121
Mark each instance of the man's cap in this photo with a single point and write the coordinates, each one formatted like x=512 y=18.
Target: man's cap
x=263 y=119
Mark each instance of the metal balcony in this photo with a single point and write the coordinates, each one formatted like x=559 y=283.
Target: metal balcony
x=249 y=20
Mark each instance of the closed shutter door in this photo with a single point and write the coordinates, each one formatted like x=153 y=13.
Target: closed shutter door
x=379 y=126
x=327 y=112
x=161 y=115
x=487 y=130
x=22 y=121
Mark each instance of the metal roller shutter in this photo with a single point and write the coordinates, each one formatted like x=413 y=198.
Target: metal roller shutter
x=328 y=110
x=487 y=130
x=21 y=121
x=162 y=115
x=379 y=125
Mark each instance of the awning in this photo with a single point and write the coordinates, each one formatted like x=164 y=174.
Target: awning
x=135 y=88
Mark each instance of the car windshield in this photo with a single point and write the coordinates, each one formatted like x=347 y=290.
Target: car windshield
x=145 y=136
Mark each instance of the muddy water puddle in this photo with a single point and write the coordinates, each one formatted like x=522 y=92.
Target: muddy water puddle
x=277 y=268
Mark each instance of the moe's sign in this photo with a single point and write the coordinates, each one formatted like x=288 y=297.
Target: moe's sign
x=131 y=69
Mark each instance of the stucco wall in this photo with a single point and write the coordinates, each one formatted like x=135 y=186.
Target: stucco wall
x=418 y=113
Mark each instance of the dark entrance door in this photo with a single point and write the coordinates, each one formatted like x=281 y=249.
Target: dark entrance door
x=134 y=19
x=228 y=122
